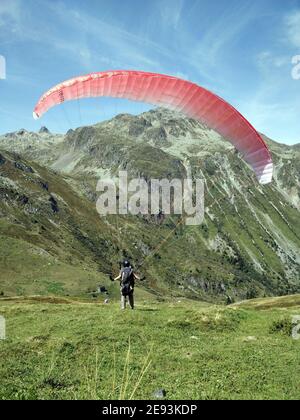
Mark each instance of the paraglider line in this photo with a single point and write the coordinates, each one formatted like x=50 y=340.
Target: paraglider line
x=160 y=245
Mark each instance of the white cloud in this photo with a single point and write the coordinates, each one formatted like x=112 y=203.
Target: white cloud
x=170 y=11
x=9 y=8
x=205 y=48
x=271 y=113
x=273 y=108
x=124 y=46
x=267 y=61
x=224 y=31
x=10 y=16
x=293 y=28
x=98 y=42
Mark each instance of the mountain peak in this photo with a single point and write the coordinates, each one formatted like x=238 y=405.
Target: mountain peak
x=44 y=130
x=22 y=132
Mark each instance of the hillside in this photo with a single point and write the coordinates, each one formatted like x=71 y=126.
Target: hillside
x=51 y=239
x=248 y=246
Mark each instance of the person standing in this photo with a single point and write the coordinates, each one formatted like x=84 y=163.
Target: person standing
x=127 y=279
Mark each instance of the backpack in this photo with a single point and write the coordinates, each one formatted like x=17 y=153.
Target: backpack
x=127 y=282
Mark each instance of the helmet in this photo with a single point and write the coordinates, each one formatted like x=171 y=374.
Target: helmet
x=126 y=263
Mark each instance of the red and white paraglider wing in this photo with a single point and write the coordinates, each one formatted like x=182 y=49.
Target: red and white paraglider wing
x=180 y=95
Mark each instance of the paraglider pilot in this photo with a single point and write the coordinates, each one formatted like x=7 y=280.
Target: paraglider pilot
x=127 y=277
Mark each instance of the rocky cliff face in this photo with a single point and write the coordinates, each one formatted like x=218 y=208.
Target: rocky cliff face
x=249 y=243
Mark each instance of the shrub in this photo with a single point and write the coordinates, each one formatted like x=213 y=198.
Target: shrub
x=283 y=326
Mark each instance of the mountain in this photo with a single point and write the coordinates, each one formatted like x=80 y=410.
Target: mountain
x=51 y=239
x=248 y=245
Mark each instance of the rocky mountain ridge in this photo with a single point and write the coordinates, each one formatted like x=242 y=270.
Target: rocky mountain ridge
x=249 y=244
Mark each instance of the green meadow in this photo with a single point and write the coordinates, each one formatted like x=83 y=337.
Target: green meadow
x=58 y=348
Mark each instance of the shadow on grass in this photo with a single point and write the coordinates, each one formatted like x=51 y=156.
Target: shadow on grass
x=147 y=310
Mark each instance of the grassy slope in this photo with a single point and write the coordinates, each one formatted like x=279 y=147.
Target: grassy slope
x=43 y=252
x=69 y=349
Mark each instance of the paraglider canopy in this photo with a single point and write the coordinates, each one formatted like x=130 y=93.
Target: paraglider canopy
x=181 y=95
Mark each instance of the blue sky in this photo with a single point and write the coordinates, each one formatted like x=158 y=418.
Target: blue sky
x=242 y=50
